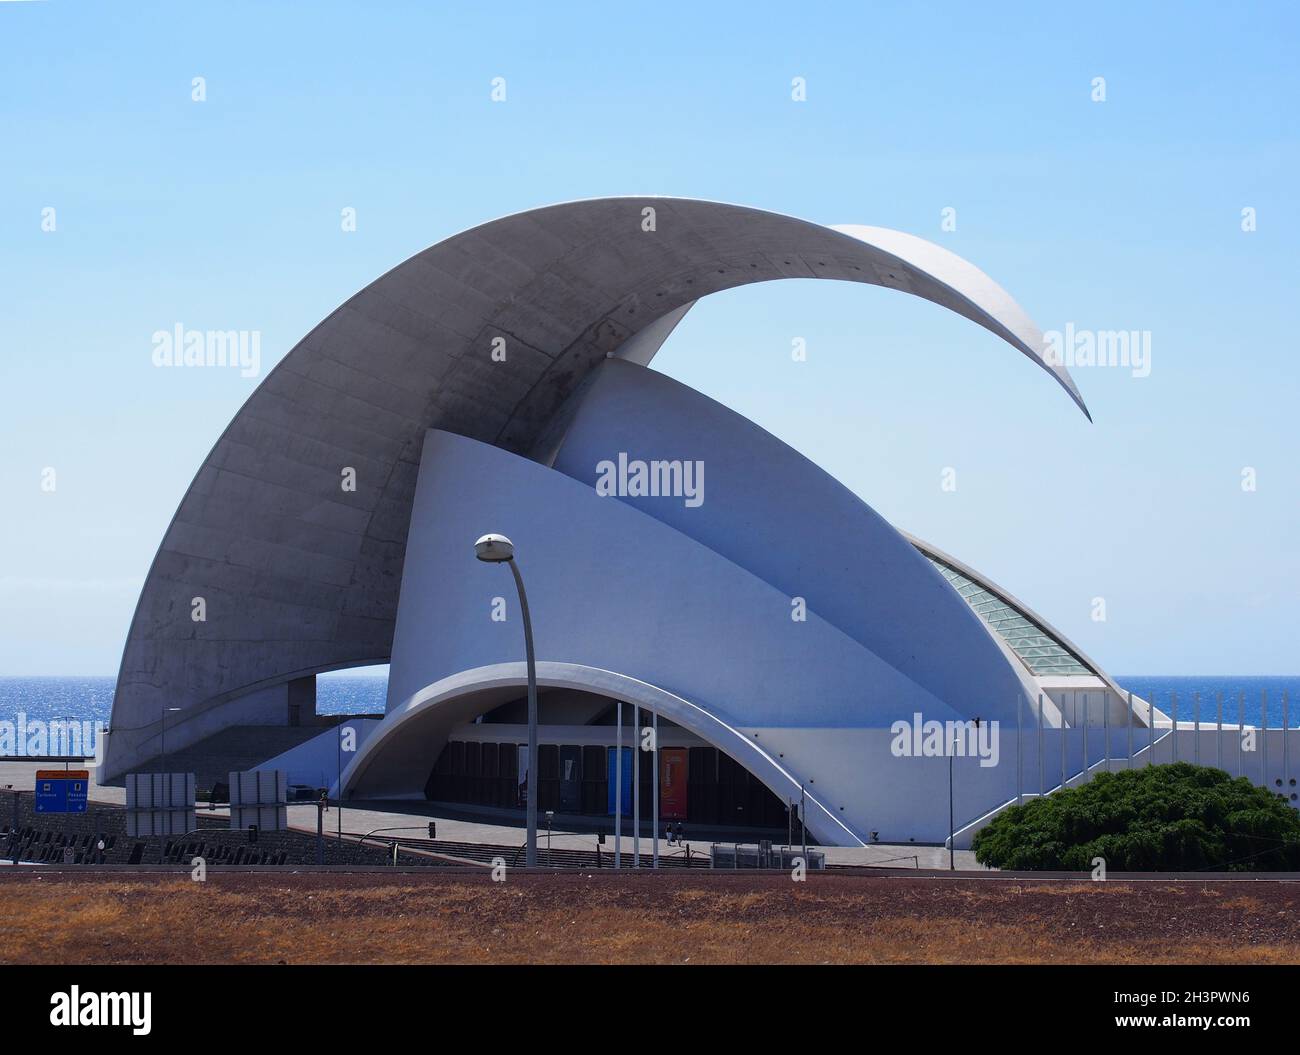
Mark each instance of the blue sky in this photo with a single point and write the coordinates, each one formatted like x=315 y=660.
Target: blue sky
x=1122 y=214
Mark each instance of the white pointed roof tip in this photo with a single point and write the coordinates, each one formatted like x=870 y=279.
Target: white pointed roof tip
x=991 y=305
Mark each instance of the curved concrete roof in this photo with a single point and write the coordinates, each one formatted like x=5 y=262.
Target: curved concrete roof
x=396 y=754
x=300 y=576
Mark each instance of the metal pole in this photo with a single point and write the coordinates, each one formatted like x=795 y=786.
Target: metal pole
x=654 y=803
x=162 y=738
x=1173 y=707
x=1042 y=778
x=320 y=831
x=1105 y=721
x=1062 y=743
x=1241 y=710
x=1196 y=721
x=803 y=825
x=1131 y=717
x=530 y=855
x=1286 y=743
x=1087 y=718
x=1263 y=735
x=13 y=832
x=1151 y=728
x=1218 y=726
x=952 y=823
x=339 y=804
x=636 y=786
x=1020 y=769
x=618 y=791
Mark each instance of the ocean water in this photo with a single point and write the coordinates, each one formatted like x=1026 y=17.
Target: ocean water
x=1274 y=698
x=91 y=698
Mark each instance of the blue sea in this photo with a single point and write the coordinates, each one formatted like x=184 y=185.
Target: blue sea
x=91 y=698
x=1263 y=701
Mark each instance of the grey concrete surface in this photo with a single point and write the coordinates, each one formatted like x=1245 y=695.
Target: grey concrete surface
x=364 y=819
x=454 y=826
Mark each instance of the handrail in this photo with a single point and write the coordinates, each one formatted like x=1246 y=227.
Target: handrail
x=1059 y=786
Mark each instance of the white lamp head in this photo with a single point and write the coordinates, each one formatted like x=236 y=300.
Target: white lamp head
x=494 y=549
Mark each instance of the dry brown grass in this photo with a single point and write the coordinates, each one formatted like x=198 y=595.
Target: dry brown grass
x=441 y=918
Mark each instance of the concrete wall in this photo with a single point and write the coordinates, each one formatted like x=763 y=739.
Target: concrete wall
x=131 y=746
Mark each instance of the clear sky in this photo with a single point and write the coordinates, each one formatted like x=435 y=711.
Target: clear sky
x=1122 y=214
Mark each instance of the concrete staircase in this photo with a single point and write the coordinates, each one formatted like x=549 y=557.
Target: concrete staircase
x=1142 y=756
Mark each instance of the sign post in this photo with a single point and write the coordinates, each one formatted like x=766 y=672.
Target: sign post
x=61 y=790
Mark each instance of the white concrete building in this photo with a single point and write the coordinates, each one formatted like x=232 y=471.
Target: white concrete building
x=679 y=559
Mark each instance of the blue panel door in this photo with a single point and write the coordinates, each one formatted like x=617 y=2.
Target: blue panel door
x=613 y=780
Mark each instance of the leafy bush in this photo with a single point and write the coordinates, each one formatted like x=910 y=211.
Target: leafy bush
x=1171 y=818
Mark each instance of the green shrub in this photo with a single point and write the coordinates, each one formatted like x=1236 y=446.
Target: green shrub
x=1173 y=818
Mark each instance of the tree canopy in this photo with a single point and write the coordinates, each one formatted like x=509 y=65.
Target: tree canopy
x=1178 y=817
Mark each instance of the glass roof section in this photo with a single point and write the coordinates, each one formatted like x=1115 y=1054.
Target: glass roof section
x=1037 y=649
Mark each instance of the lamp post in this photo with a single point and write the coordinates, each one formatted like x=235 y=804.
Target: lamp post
x=162 y=736
x=66 y=742
x=497 y=549
x=952 y=837
x=13 y=831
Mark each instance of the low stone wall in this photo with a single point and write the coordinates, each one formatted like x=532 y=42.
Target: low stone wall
x=43 y=838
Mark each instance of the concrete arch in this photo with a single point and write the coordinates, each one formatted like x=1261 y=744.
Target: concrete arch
x=301 y=576
x=396 y=758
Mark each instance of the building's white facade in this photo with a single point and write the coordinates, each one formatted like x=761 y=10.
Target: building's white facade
x=489 y=384
x=778 y=617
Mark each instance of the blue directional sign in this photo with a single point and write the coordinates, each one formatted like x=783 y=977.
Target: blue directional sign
x=61 y=790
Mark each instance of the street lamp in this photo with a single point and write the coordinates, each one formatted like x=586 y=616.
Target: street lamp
x=497 y=549
x=63 y=737
x=162 y=735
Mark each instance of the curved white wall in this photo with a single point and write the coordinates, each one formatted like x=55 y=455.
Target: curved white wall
x=615 y=589
x=612 y=588
x=785 y=520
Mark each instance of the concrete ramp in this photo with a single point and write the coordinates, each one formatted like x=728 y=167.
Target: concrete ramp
x=316 y=761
